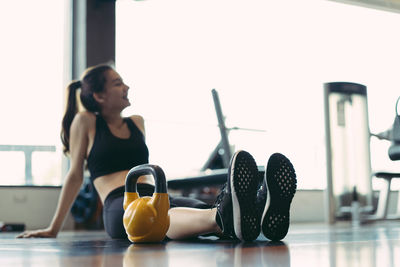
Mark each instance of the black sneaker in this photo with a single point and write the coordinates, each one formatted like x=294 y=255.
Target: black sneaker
x=279 y=187
x=237 y=213
x=224 y=215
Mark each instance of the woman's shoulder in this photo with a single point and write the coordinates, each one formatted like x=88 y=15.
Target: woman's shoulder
x=85 y=118
x=139 y=121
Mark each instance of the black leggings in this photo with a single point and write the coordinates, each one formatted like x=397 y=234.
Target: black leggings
x=113 y=211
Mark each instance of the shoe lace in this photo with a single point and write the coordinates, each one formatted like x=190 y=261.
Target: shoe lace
x=220 y=195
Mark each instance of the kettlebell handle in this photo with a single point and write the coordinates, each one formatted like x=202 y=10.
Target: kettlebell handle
x=145 y=169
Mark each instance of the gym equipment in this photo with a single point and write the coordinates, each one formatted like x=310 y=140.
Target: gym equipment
x=221 y=155
x=146 y=219
x=347 y=151
x=382 y=212
x=12 y=227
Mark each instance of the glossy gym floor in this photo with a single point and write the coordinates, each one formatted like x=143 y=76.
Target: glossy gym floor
x=376 y=244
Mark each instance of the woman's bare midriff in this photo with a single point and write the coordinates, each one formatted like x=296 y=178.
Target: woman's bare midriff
x=107 y=183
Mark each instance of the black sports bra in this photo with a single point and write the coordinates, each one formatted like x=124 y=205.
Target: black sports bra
x=111 y=154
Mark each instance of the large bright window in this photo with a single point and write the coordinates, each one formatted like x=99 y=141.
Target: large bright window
x=32 y=62
x=268 y=60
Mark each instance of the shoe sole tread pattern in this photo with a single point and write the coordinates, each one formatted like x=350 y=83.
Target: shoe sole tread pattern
x=244 y=185
x=281 y=184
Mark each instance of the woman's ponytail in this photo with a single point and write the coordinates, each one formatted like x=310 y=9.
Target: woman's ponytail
x=92 y=81
x=70 y=112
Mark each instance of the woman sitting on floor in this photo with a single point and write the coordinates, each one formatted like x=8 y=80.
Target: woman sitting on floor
x=111 y=145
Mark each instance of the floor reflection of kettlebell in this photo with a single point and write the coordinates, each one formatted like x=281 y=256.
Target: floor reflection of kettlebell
x=146 y=219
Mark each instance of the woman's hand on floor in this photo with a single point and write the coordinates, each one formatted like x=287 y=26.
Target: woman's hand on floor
x=38 y=233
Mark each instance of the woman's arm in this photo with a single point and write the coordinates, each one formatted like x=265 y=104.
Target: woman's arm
x=73 y=179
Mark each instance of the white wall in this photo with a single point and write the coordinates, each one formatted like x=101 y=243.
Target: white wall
x=33 y=206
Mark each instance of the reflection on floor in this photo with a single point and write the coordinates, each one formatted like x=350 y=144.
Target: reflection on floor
x=375 y=244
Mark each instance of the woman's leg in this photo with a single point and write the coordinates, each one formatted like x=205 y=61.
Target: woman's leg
x=192 y=222
x=235 y=215
x=113 y=214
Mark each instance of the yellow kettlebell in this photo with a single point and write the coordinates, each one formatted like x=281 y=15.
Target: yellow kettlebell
x=146 y=219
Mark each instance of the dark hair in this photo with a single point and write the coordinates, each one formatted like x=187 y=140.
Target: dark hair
x=92 y=81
